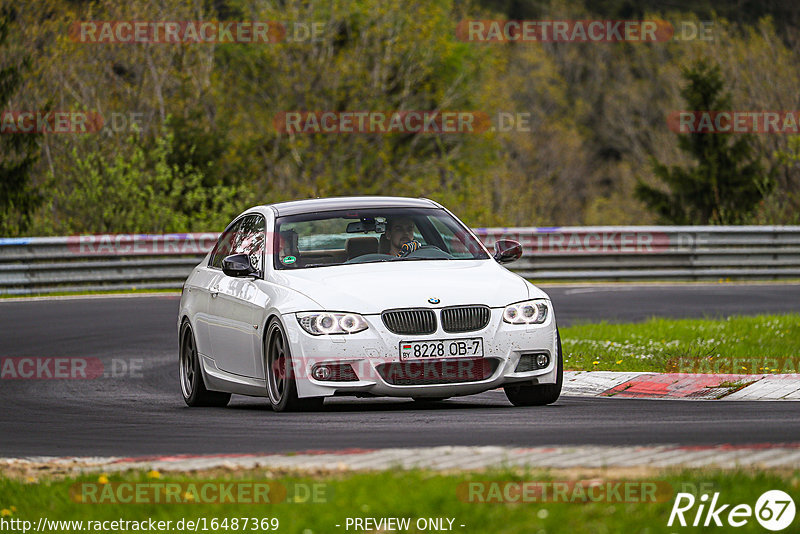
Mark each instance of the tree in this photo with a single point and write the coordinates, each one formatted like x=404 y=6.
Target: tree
x=728 y=180
x=141 y=189
x=18 y=153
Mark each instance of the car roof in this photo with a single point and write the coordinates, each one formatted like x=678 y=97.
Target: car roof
x=311 y=205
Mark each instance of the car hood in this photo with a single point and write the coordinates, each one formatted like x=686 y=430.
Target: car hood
x=370 y=288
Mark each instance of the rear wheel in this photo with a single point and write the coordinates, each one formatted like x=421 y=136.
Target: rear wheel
x=192 y=385
x=281 y=385
x=539 y=394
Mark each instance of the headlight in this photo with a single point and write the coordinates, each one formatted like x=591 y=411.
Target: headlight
x=324 y=323
x=528 y=312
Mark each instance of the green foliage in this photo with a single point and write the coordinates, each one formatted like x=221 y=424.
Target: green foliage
x=782 y=205
x=370 y=56
x=141 y=190
x=786 y=13
x=728 y=179
x=18 y=153
x=594 y=112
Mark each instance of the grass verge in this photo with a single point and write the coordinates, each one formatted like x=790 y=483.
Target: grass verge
x=760 y=344
x=400 y=494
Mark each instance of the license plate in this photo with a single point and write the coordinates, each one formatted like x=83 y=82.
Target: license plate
x=442 y=348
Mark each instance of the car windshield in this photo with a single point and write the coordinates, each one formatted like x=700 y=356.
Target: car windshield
x=372 y=235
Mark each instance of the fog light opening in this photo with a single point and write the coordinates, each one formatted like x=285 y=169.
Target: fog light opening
x=334 y=372
x=542 y=360
x=321 y=372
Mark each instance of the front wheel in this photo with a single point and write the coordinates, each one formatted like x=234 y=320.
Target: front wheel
x=539 y=394
x=281 y=385
x=192 y=385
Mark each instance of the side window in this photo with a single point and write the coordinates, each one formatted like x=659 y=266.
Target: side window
x=224 y=245
x=249 y=239
x=454 y=243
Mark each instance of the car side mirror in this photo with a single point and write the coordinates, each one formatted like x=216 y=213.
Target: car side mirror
x=507 y=250
x=238 y=265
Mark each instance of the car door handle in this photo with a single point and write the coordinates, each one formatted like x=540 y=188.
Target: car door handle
x=214 y=292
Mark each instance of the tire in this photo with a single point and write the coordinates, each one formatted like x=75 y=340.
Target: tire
x=280 y=381
x=193 y=387
x=541 y=394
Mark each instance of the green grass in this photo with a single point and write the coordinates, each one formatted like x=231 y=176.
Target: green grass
x=412 y=494
x=746 y=345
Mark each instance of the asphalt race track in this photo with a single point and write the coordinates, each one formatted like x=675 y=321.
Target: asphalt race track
x=139 y=411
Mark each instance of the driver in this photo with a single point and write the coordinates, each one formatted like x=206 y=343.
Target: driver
x=400 y=235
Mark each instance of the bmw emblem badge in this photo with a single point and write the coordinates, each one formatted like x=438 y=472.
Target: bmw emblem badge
x=434 y=300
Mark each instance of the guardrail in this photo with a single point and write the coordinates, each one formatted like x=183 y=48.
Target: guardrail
x=654 y=252
x=113 y=262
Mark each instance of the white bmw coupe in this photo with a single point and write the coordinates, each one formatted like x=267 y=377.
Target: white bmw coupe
x=362 y=296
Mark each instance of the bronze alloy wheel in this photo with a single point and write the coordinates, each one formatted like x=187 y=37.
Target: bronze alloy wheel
x=281 y=384
x=192 y=385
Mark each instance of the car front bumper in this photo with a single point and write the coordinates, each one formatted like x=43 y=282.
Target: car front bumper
x=369 y=351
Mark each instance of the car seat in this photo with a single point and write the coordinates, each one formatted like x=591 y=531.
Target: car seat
x=358 y=246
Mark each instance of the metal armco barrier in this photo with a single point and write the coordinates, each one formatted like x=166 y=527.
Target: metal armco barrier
x=113 y=262
x=654 y=252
